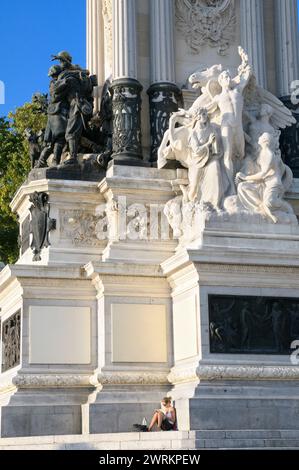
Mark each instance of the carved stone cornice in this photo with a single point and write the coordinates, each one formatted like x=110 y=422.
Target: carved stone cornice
x=133 y=378
x=247 y=372
x=53 y=381
x=215 y=261
x=180 y=375
x=247 y=268
x=183 y=375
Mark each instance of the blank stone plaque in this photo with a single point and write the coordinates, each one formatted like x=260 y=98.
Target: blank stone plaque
x=59 y=335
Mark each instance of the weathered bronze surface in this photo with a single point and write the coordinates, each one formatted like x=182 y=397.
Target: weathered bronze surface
x=252 y=325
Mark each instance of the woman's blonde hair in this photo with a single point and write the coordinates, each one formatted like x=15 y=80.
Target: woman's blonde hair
x=167 y=400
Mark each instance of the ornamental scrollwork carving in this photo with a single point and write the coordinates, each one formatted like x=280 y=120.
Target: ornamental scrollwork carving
x=53 y=380
x=133 y=378
x=126 y=105
x=164 y=99
x=80 y=227
x=247 y=372
x=206 y=22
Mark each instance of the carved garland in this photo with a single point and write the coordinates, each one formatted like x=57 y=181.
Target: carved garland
x=205 y=22
x=247 y=372
x=233 y=372
x=55 y=381
x=133 y=378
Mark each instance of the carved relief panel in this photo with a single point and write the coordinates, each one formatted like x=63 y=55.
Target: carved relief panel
x=11 y=341
x=206 y=22
x=253 y=325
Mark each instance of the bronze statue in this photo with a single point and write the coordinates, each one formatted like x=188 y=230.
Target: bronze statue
x=58 y=110
x=71 y=126
x=69 y=109
x=35 y=141
x=79 y=96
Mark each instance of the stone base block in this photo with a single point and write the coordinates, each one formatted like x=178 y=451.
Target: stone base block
x=272 y=406
x=244 y=414
x=83 y=171
x=119 y=417
x=38 y=420
x=118 y=410
x=43 y=412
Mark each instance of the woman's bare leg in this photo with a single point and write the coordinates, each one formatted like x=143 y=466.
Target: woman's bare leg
x=153 y=421
x=160 y=419
x=157 y=419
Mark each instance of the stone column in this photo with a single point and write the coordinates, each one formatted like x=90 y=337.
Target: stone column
x=253 y=38
x=287 y=71
x=95 y=44
x=286 y=32
x=164 y=94
x=126 y=101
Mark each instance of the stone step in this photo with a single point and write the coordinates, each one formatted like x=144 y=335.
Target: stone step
x=247 y=443
x=186 y=440
x=247 y=433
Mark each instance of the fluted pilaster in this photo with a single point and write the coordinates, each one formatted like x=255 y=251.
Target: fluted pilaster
x=124 y=39
x=163 y=92
x=286 y=32
x=162 y=41
x=95 y=44
x=126 y=100
x=253 y=37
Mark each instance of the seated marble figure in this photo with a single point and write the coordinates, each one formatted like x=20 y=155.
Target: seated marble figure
x=229 y=143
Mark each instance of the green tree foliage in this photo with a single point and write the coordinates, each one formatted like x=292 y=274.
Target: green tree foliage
x=14 y=166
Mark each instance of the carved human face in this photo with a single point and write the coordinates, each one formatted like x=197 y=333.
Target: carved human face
x=264 y=140
x=225 y=79
x=203 y=116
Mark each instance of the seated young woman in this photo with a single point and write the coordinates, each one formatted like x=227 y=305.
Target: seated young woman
x=165 y=417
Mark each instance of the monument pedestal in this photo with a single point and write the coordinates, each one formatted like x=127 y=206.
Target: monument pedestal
x=112 y=318
x=86 y=328
x=236 y=316
x=48 y=349
x=134 y=343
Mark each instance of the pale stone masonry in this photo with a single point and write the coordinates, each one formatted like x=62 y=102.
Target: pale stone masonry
x=253 y=36
x=150 y=285
x=286 y=34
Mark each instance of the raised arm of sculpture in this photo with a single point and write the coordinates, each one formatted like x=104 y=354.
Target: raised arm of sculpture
x=231 y=172
x=244 y=70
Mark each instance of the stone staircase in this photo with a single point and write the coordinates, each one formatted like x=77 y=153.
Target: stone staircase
x=172 y=440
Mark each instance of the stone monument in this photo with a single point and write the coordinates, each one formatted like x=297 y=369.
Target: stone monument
x=158 y=228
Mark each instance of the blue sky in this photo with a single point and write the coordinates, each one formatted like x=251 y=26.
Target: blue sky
x=30 y=31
